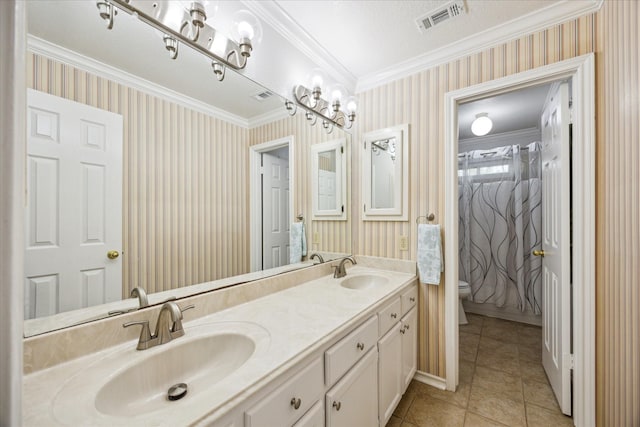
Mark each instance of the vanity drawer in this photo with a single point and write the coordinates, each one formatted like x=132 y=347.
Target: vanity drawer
x=346 y=352
x=389 y=316
x=313 y=418
x=279 y=408
x=409 y=299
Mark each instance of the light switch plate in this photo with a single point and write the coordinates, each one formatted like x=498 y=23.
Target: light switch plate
x=316 y=238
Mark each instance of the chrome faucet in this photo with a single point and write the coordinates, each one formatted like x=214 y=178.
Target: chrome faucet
x=341 y=271
x=142 y=296
x=317 y=255
x=168 y=326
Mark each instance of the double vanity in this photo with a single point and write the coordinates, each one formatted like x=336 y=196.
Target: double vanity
x=322 y=352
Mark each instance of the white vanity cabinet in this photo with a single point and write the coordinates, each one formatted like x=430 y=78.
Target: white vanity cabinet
x=354 y=399
x=313 y=418
x=409 y=328
x=389 y=373
x=285 y=405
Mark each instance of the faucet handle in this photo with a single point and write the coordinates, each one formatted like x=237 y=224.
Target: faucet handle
x=177 y=328
x=145 y=333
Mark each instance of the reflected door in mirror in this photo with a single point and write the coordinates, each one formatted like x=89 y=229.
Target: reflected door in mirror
x=74 y=206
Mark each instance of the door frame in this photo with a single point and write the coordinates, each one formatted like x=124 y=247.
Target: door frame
x=255 y=191
x=582 y=72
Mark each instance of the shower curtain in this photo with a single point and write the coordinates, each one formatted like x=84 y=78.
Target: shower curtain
x=500 y=222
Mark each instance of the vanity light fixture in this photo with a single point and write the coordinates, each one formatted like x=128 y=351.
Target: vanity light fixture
x=339 y=110
x=185 y=22
x=481 y=125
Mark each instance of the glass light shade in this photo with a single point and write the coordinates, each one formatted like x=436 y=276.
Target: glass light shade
x=337 y=93
x=481 y=125
x=317 y=78
x=352 y=104
x=246 y=26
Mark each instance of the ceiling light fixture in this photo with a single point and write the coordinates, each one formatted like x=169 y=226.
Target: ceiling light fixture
x=481 y=125
x=185 y=22
x=339 y=111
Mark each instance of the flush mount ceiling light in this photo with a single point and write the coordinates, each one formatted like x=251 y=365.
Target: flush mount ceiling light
x=339 y=110
x=481 y=125
x=185 y=22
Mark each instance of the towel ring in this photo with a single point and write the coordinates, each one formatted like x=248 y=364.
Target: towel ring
x=429 y=218
x=299 y=217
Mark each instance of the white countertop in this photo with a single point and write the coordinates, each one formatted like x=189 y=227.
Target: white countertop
x=297 y=322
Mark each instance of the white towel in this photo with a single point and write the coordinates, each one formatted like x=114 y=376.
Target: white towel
x=430 y=263
x=297 y=242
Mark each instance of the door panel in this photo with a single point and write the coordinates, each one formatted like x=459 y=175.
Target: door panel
x=275 y=208
x=556 y=245
x=74 y=206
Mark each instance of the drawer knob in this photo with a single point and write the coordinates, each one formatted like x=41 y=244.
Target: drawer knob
x=412 y=299
x=406 y=327
x=296 y=402
x=360 y=346
x=337 y=405
x=402 y=330
x=394 y=315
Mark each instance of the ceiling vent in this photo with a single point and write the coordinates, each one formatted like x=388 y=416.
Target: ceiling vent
x=261 y=96
x=440 y=15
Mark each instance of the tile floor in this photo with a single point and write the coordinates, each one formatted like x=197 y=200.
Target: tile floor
x=502 y=383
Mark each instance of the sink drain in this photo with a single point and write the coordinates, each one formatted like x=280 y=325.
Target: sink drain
x=177 y=391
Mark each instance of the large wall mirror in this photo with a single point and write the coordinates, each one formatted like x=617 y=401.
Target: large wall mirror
x=185 y=214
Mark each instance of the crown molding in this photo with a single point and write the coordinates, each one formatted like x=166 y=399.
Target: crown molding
x=61 y=54
x=532 y=22
x=271 y=13
x=268 y=117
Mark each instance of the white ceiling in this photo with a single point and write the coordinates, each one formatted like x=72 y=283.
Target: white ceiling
x=509 y=111
x=355 y=41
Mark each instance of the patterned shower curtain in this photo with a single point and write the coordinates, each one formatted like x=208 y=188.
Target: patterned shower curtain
x=500 y=223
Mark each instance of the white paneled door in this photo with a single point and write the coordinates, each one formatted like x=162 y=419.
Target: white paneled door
x=74 y=206
x=556 y=264
x=275 y=211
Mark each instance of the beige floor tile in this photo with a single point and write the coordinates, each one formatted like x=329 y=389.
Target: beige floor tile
x=541 y=417
x=468 y=346
x=407 y=424
x=501 y=361
x=528 y=334
x=459 y=398
x=532 y=370
x=473 y=420
x=501 y=383
x=429 y=412
x=394 y=422
x=487 y=343
x=405 y=402
x=507 y=331
x=494 y=406
x=474 y=326
x=540 y=393
x=466 y=371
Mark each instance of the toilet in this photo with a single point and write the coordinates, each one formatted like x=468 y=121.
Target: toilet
x=464 y=290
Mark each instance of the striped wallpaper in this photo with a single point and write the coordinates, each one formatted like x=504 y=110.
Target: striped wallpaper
x=419 y=101
x=333 y=236
x=618 y=214
x=185 y=189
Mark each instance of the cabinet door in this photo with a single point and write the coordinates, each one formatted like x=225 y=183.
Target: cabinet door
x=353 y=401
x=389 y=372
x=313 y=418
x=409 y=334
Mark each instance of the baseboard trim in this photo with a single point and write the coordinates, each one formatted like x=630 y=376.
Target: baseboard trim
x=431 y=380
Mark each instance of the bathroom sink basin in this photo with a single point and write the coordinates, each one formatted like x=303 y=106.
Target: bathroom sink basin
x=128 y=386
x=143 y=386
x=363 y=281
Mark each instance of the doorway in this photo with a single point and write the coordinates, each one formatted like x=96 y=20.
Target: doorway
x=582 y=360
x=271 y=202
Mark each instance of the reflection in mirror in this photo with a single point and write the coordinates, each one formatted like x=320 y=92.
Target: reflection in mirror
x=385 y=174
x=329 y=179
x=185 y=139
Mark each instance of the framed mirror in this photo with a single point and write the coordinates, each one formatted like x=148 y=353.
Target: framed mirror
x=385 y=174
x=329 y=180
x=186 y=139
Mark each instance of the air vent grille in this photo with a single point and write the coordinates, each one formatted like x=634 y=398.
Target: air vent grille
x=439 y=15
x=261 y=96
